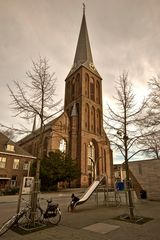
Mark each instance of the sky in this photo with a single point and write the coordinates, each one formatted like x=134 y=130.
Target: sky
x=124 y=36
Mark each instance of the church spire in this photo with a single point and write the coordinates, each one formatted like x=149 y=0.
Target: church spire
x=83 y=55
x=83 y=50
x=84 y=7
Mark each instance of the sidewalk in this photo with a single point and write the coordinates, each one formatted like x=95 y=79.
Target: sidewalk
x=89 y=222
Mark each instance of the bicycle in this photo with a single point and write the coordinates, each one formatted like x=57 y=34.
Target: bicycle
x=14 y=219
x=51 y=214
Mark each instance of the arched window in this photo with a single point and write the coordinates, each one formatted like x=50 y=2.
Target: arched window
x=92 y=89
x=86 y=85
x=73 y=89
x=98 y=121
x=91 y=161
x=97 y=92
x=92 y=119
x=91 y=153
x=62 y=145
x=87 y=117
x=77 y=91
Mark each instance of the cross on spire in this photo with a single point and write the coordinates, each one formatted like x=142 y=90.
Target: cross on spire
x=84 y=7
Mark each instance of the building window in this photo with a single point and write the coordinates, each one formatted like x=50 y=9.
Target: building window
x=62 y=145
x=98 y=121
x=87 y=117
x=91 y=152
x=10 y=148
x=92 y=119
x=16 y=164
x=13 y=181
x=73 y=89
x=26 y=166
x=77 y=85
x=92 y=89
x=86 y=85
x=2 y=162
x=91 y=161
x=97 y=92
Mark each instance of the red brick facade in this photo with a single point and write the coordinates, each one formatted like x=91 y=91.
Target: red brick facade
x=14 y=163
x=80 y=127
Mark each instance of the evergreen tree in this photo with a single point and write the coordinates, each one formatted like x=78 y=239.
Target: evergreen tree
x=57 y=167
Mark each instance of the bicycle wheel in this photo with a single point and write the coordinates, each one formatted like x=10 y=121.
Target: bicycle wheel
x=39 y=215
x=56 y=218
x=26 y=218
x=7 y=225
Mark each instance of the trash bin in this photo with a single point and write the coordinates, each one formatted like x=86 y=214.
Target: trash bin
x=143 y=194
x=120 y=186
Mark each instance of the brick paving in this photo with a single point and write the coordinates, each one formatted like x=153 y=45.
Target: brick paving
x=81 y=223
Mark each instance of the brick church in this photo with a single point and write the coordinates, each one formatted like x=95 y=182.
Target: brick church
x=79 y=129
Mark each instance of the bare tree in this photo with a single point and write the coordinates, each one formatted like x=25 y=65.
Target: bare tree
x=36 y=97
x=154 y=102
x=151 y=120
x=152 y=145
x=123 y=132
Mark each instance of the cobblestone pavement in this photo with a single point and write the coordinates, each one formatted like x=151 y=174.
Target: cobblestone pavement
x=92 y=222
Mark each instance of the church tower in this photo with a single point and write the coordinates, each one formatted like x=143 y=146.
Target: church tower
x=88 y=143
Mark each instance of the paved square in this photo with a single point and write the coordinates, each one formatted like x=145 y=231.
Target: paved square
x=102 y=228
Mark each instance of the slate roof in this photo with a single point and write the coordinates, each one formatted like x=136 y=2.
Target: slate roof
x=4 y=141
x=36 y=132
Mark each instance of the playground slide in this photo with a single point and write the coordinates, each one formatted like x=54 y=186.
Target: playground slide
x=90 y=190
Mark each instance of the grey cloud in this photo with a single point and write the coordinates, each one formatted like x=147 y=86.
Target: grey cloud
x=124 y=35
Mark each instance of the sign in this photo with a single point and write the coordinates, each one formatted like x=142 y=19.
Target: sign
x=27 y=185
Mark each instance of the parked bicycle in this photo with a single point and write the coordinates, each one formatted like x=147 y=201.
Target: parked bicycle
x=14 y=219
x=51 y=215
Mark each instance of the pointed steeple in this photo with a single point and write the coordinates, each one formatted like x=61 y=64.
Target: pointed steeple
x=83 y=51
x=83 y=55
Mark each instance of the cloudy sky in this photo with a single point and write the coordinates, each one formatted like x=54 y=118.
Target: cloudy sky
x=124 y=36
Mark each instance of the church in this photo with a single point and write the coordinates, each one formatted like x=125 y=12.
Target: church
x=79 y=131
